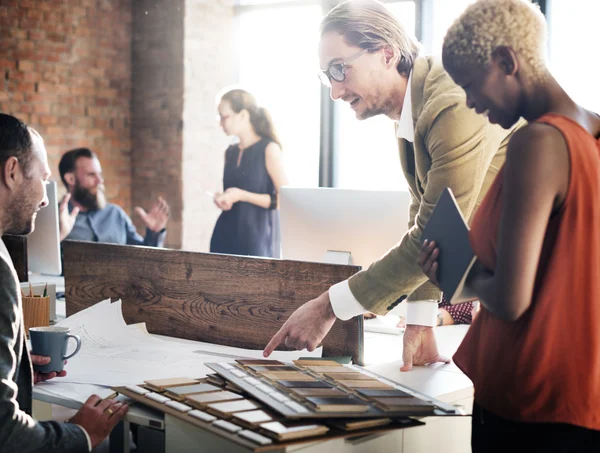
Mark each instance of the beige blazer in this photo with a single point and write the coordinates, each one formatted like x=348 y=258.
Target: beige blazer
x=454 y=147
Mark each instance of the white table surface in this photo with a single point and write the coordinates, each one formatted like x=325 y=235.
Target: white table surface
x=383 y=355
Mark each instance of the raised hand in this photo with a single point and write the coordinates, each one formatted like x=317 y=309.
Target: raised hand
x=98 y=417
x=155 y=220
x=66 y=219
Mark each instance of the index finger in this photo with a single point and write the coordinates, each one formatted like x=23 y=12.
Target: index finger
x=64 y=201
x=275 y=341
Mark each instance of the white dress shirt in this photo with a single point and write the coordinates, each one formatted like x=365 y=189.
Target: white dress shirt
x=343 y=302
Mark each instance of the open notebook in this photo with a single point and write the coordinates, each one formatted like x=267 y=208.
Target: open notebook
x=448 y=228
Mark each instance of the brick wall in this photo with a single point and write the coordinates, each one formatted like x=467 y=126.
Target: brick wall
x=65 y=68
x=157 y=105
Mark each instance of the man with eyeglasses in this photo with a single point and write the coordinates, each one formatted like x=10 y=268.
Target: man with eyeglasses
x=369 y=61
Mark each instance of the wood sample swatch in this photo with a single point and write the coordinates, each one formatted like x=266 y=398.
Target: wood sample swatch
x=160 y=385
x=271 y=369
x=261 y=362
x=372 y=384
x=251 y=419
x=225 y=409
x=331 y=369
x=178 y=393
x=352 y=425
x=305 y=384
x=307 y=362
x=202 y=399
x=289 y=431
x=289 y=376
x=349 y=404
x=408 y=404
x=390 y=393
x=303 y=392
x=348 y=376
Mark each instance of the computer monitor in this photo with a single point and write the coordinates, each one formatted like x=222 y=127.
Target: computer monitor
x=43 y=245
x=364 y=224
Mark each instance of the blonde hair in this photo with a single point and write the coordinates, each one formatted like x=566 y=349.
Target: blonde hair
x=487 y=24
x=260 y=118
x=369 y=24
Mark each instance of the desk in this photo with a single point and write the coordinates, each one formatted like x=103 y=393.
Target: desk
x=445 y=382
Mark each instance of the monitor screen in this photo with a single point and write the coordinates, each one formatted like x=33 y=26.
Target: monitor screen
x=43 y=244
x=315 y=221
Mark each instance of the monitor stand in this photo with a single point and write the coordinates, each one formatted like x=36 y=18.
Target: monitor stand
x=337 y=257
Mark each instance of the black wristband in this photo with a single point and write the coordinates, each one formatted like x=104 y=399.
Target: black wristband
x=273 y=204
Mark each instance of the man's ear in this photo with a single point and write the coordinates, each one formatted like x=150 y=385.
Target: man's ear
x=11 y=172
x=390 y=56
x=70 y=178
x=506 y=58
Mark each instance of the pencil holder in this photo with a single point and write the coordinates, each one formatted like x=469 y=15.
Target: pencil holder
x=36 y=312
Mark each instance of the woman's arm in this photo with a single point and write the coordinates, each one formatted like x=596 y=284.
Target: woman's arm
x=536 y=180
x=274 y=164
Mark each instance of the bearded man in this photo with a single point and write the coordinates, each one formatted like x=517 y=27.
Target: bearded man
x=85 y=215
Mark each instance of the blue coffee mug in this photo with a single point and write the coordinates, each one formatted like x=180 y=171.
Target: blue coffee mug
x=52 y=342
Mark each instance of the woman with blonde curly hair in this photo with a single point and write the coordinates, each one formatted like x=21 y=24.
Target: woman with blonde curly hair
x=533 y=353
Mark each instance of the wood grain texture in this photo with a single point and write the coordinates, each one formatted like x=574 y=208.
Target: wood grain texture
x=223 y=299
x=17 y=249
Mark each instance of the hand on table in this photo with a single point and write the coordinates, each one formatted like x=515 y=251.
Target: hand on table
x=420 y=347
x=98 y=417
x=307 y=326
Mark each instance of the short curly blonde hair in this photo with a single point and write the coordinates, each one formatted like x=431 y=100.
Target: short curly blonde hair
x=488 y=24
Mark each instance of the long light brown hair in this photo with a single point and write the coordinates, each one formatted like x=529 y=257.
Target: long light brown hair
x=260 y=118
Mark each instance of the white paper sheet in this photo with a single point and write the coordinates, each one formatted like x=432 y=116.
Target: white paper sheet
x=115 y=354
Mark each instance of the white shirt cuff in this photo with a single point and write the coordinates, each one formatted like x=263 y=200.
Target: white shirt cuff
x=422 y=313
x=343 y=302
x=87 y=436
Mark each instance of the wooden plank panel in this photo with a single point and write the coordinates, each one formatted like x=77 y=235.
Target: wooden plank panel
x=223 y=299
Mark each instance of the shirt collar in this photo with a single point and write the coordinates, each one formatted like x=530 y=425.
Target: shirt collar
x=4 y=252
x=406 y=127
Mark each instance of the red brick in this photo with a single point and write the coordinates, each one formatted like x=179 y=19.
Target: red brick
x=25 y=65
x=41 y=109
x=48 y=120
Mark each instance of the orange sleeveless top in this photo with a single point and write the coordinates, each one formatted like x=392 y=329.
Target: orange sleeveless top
x=545 y=367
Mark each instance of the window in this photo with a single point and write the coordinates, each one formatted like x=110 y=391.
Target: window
x=282 y=74
x=367 y=151
x=438 y=15
x=572 y=30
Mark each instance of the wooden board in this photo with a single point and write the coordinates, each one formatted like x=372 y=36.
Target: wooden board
x=230 y=300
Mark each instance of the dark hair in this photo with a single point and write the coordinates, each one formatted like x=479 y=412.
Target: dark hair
x=69 y=160
x=15 y=141
x=260 y=118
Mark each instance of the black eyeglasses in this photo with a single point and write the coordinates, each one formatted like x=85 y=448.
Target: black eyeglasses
x=337 y=71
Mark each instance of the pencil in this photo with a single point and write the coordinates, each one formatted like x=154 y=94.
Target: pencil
x=45 y=290
x=30 y=290
x=111 y=396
